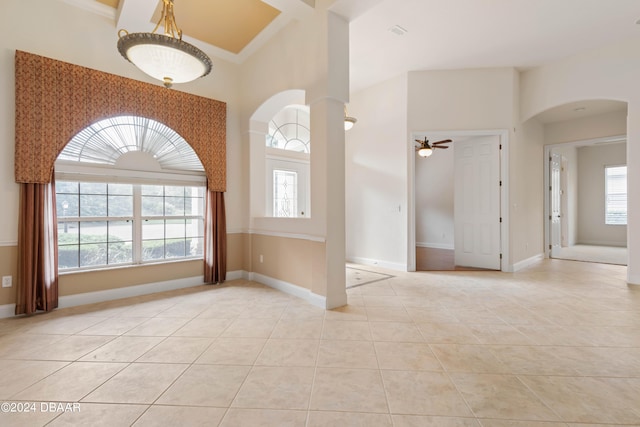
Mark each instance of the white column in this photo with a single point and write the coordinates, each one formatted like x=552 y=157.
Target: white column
x=633 y=192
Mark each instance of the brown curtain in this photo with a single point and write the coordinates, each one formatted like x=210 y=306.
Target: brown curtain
x=215 y=238
x=37 y=284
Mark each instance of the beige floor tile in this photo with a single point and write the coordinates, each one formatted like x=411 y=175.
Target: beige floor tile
x=447 y=333
x=237 y=417
x=589 y=400
x=158 y=327
x=348 y=419
x=232 y=351
x=70 y=348
x=423 y=393
x=468 y=358
x=100 y=415
x=183 y=416
x=275 y=388
x=356 y=330
x=298 y=328
x=407 y=356
x=184 y=310
x=529 y=360
x=177 y=350
x=348 y=312
x=123 y=349
x=35 y=417
x=250 y=328
x=64 y=325
x=263 y=311
x=71 y=383
x=17 y=375
x=14 y=346
x=347 y=354
x=382 y=301
x=502 y=397
x=301 y=310
x=515 y=423
x=387 y=314
x=348 y=390
x=114 y=326
x=206 y=385
x=223 y=310
x=500 y=334
x=425 y=421
x=203 y=327
x=395 y=331
x=137 y=383
x=283 y=352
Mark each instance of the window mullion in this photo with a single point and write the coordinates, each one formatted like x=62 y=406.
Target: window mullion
x=137 y=224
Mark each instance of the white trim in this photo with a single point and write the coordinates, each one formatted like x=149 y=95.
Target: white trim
x=94 y=7
x=602 y=242
x=291 y=289
x=289 y=235
x=503 y=134
x=237 y=231
x=9 y=243
x=435 y=245
x=377 y=263
x=7 y=310
x=520 y=265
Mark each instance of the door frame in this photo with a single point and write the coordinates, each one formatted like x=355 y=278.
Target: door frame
x=547 y=182
x=503 y=135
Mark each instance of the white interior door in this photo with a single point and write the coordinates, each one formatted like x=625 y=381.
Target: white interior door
x=477 y=202
x=555 y=164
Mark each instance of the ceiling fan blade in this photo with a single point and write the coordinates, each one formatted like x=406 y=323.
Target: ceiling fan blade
x=440 y=146
x=444 y=141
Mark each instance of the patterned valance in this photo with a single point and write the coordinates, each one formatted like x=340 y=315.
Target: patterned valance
x=55 y=100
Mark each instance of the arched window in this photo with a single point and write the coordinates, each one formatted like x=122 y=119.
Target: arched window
x=129 y=190
x=288 y=145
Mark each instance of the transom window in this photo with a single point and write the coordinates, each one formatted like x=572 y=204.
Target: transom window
x=616 y=195
x=290 y=129
x=129 y=190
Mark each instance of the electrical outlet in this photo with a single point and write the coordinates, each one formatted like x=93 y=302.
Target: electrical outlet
x=7 y=281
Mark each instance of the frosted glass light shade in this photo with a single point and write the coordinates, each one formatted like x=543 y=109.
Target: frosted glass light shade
x=164 y=58
x=349 y=122
x=425 y=152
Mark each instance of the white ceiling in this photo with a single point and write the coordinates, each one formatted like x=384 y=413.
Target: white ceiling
x=441 y=34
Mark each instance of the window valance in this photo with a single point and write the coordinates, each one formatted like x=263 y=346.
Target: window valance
x=55 y=100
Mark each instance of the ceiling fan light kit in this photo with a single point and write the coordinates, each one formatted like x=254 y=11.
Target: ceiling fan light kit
x=425 y=149
x=164 y=57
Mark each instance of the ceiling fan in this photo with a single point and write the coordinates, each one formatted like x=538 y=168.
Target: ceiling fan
x=426 y=148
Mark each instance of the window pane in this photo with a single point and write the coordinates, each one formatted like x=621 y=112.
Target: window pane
x=120 y=231
x=285 y=193
x=68 y=232
x=616 y=195
x=174 y=191
x=93 y=254
x=68 y=256
x=123 y=189
x=152 y=229
x=67 y=205
x=194 y=227
x=152 y=190
x=93 y=188
x=175 y=248
x=120 y=252
x=195 y=246
x=174 y=206
x=175 y=228
x=152 y=250
x=120 y=206
x=67 y=187
x=93 y=205
x=152 y=206
x=93 y=232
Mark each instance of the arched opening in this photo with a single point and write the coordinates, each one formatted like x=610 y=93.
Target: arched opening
x=129 y=190
x=585 y=174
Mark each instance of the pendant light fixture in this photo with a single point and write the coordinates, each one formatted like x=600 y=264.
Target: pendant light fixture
x=164 y=57
x=348 y=121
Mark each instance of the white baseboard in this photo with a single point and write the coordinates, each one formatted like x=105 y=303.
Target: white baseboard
x=290 y=288
x=378 y=263
x=7 y=310
x=602 y=243
x=435 y=245
x=520 y=265
x=128 y=291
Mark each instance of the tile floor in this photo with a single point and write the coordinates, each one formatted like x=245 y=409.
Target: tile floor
x=557 y=344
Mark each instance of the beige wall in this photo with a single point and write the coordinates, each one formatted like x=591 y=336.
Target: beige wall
x=8 y=267
x=287 y=259
x=601 y=125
